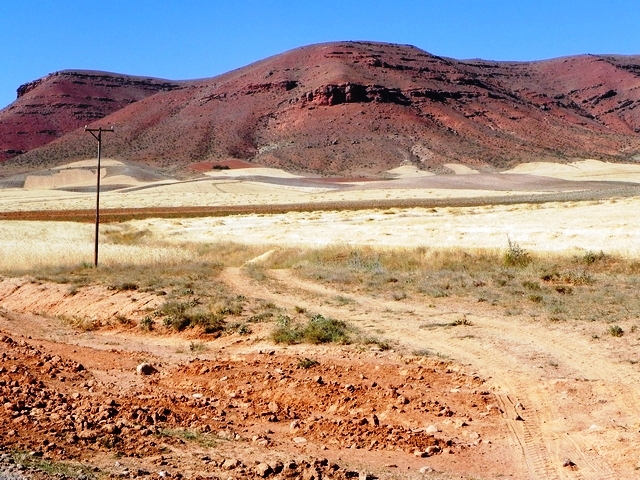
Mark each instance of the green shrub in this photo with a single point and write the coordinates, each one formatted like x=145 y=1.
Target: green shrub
x=180 y=315
x=317 y=330
x=146 y=324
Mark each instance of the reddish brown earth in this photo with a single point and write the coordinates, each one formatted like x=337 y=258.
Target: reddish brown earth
x=357 y=108
x=56 y=402
x=50 y=107
x=518 y=401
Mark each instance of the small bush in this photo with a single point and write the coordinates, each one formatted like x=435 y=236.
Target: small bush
x=124 y=286
x=260 y=317
x=307 y=363
x=198 y=347
x=317 y=330
x=146 y=324
x=326 y=330
x=180 y=315
x=616 y=331
x=516 y=256
x=286 y=332
x=462 y=321
x=592 y=257
x=536 y=298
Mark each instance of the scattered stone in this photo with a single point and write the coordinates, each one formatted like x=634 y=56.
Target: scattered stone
x=432 y=429
x=87 y=435
x=424 y=470
x=111 y=429
x=263 y=470
x=300 y=440
x=146 y=369
x=276 y=466
x=230 y=463
x=568 y=463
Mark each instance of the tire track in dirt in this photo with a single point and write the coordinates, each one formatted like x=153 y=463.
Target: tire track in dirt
x=503 y=353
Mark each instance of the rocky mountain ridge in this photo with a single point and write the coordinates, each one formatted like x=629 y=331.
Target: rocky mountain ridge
x=356 y=108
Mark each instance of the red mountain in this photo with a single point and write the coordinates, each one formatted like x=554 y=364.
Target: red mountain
x=360 y=108
x=59 y=103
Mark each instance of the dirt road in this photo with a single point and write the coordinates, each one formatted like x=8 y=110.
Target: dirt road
x=503 y=395
x=569 y=401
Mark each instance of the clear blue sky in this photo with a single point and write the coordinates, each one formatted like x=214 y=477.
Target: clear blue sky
x=197 y=38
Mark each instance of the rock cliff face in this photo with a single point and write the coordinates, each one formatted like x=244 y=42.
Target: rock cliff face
x=344 y=108
x=52 y=106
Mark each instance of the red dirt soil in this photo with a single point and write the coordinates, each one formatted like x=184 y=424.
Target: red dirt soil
x=83 y=404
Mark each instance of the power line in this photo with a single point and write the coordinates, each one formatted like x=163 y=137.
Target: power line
x=97 y=134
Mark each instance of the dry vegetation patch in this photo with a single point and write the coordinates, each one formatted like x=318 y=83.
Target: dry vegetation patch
x=591 y=286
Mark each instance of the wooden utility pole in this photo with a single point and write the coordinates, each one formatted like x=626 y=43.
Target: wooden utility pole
x=97 y=134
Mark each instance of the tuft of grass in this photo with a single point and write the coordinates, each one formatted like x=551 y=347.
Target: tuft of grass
x=462 y=321
x=146 y=324
x=53 y=468
x=256 y=271
x=306 y=363
x=339 y=299
x=197 y=347
x=616 y=331
x=591 y=257
x=123 y=319
x=316 y=330
x=191 y=436
x=181 y=315
x=124 y=286
x=373 y=340
x=516 y=256
x=80 y=323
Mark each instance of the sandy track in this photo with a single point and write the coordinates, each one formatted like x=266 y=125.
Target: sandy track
x=576 y=399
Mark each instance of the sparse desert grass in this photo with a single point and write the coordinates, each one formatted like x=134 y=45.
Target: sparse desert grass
x=557 y=287
x=191 y=436
x=318 y=329
x=31 y=247
x=53 y=468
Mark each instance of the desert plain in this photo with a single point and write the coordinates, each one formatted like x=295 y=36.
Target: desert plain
x=468 y=325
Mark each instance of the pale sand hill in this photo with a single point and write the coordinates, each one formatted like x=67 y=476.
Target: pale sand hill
x=459 y=169
x=409 y=171
x=584 y=170
x=252 y=172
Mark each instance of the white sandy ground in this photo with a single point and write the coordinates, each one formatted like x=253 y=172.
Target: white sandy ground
x=409 y=171
x=235 y=187
x=612 y=226
x=215 y=192
x=252 y=172
x=459 y=169
x=585 y=170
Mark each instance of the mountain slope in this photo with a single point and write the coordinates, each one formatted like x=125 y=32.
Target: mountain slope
x=52 y=106
x=353 y=108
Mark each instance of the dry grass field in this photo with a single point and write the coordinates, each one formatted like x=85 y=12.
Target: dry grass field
x=481 y=342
